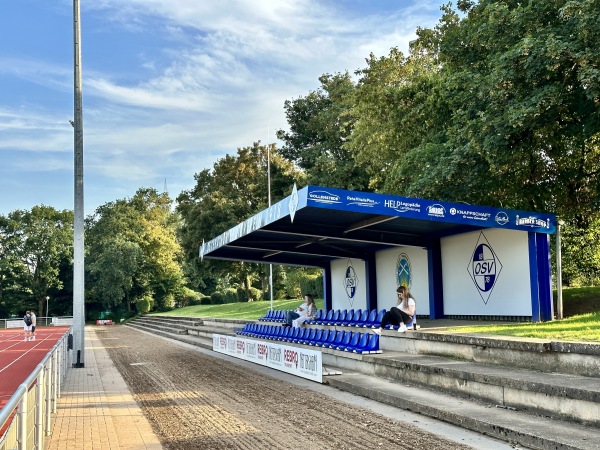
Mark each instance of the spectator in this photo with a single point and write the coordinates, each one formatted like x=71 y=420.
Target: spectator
x=302 y=310
x=311 y=310
x=401 y=314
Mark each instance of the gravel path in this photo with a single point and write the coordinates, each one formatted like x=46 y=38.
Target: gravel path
x=197 y=401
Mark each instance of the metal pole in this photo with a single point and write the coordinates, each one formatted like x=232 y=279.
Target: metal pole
x=78 y=248
x=559 y=299
x=269 y=190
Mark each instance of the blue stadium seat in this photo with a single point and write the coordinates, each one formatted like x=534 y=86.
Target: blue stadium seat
x=339 y=337
x=300 y=336
x=317 y=337
x=362 y=343
x=348 y=335
x=309 y=337
x=326 y=318
x=353 y=342
x=364 y=317
x=371 y=319
x=324 y=338
x=351 y=320
x=342 y=317
x=373 y=344
x=377 y=321
x=315 y=319
x=335 y=315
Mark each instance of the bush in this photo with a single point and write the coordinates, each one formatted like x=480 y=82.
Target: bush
x=216 y=298
x=205 y=300
x=255 y=294
x=143 y=306
x=188 y=297
x=230 y=295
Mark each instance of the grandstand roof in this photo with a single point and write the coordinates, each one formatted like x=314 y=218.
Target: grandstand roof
x=315 y=225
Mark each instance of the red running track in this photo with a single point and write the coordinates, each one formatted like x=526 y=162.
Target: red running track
x=19 y=355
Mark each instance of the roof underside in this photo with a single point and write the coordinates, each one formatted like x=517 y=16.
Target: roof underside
x=317 y=236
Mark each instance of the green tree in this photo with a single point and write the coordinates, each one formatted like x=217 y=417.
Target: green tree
x=319 y=125
x=133 y=251
x=34 y=244
x=235 y=189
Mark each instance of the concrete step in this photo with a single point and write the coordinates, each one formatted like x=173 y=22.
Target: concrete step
x=518 y=427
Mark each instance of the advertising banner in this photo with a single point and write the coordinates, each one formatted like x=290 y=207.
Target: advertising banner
x=293 y=360
x=421 y=209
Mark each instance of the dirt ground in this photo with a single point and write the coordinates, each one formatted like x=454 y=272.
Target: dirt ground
x=196 y=401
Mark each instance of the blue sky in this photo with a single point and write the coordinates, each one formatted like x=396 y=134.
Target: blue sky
x=169 y=86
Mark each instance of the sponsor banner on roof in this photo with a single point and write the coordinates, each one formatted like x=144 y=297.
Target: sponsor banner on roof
x=421 y=209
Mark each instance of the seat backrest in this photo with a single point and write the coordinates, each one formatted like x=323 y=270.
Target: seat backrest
x=373 y=344
x=339 y=337
x=336 y=315
x=279 y=314
x=324 y=337
x=343 y=315
x=311 y=335
x=380 y=316
x=287 y=333
x=318 y=335
x=356 y=317
x=295 y=332
x=329 y=316
x=347 y=338
x=363 y=342
x=302 y=333
x=318 y=315
x=332 y=337
x=355 y=338
x=372 y=316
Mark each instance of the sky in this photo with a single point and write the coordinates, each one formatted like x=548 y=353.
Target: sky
x=169 y=86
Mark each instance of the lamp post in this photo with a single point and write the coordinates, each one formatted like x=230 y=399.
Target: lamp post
x=47 y=312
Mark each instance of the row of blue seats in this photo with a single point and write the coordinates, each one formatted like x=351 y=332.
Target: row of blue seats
x=338 y=317
x=349 y=341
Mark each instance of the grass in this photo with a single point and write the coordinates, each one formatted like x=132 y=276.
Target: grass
x=581 y=309
x=250 y=310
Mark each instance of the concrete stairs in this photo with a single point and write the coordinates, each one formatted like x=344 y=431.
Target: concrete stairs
x=534 y=393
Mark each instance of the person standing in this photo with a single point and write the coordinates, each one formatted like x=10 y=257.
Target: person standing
x=401 y=314
x=27 y=323
x=33 y=322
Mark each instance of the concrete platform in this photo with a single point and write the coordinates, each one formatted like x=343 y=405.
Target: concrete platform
x=96 y=409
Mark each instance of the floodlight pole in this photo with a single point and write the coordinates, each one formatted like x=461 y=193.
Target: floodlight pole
x=78 y=247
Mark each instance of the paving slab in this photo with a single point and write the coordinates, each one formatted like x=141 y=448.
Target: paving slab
x=96 y=409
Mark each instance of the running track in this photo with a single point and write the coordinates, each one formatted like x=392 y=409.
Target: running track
x=19 y=356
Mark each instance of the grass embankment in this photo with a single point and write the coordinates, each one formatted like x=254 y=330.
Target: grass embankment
x=581 y=309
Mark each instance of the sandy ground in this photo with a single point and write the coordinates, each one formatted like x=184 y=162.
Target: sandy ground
x=197 y=401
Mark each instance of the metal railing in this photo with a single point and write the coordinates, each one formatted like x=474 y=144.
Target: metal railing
x=41 y=321
x=26 y=418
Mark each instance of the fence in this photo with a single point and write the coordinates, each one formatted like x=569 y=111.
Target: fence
x=41 y=321
x=26 y=418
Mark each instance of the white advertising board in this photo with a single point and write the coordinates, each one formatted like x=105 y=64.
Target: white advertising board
x=293 y=360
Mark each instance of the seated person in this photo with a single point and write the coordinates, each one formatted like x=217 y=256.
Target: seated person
x=301 y=311
x=400 y=315
x=311 y=310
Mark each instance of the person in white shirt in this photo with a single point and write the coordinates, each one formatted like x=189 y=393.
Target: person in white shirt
x=306 y=314
x=401 y=314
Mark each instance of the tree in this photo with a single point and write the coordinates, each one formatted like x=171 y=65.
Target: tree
x=34 y=245
x=133 y=251
x=235 y=189
x=319 y=124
